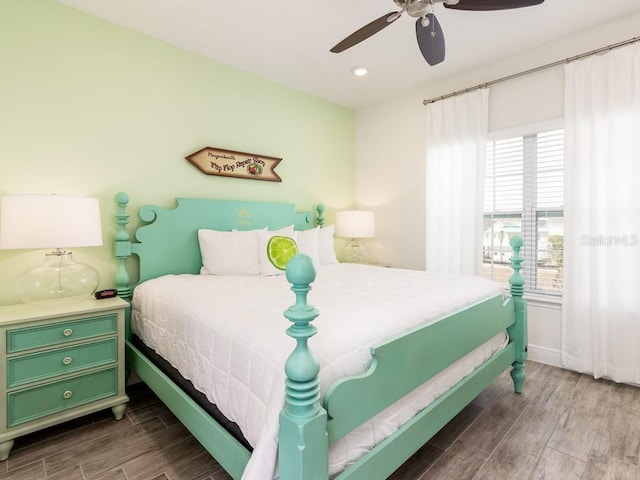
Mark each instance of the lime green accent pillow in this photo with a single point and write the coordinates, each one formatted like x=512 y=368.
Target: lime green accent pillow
x=266 y=267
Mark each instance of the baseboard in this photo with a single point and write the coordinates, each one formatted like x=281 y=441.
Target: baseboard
x=544 y=355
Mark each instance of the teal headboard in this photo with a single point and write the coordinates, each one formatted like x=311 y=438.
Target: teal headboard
x=168 y=241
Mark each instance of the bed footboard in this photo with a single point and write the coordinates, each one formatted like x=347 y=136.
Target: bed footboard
x=307 y=428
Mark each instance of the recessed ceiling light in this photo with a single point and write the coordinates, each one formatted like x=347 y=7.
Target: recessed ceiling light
x=359 y=70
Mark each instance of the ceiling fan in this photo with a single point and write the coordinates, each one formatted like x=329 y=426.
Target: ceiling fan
x=428 y=30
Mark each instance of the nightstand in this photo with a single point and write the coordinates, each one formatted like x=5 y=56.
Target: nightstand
x=59 y=363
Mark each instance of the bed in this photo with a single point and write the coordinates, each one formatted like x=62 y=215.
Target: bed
x=316 y=405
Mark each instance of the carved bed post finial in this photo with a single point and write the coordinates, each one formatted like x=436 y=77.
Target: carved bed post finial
x=303 y=437
x=122 y=247
x=516 y=281
x=518 y=331
x=320 y=217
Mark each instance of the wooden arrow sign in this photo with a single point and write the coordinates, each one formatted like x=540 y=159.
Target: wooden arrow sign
x=229 y=163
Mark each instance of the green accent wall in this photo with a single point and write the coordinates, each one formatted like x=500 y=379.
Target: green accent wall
x=92 y=108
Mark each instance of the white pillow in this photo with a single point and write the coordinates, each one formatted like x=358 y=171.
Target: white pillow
x=326 y=250
x=229 y=253
x=308 y=241
x=266 y=267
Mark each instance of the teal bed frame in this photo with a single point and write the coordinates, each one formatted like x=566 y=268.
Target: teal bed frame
x=167 y=243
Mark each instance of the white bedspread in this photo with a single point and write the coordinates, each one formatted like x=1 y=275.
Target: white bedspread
x=227 y=335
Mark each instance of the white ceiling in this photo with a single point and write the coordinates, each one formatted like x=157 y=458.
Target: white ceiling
x=288 y=42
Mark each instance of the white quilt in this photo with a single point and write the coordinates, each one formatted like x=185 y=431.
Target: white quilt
x=227 y=335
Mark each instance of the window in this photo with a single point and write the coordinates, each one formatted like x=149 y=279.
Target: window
x=524 y=195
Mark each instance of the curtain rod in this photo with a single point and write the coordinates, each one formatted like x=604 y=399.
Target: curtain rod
x=533 y=70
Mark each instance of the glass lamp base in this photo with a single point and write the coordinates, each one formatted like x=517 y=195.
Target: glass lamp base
x=355 y=252
x=59 y=280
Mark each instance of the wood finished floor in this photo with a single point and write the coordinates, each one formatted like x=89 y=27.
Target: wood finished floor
x=564 y=426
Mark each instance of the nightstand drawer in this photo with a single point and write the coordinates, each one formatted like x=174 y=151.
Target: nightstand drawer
x=33 y=403
x=59 y=333
x=47 y=364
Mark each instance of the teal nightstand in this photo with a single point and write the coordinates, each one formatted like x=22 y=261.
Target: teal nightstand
x=59 y=363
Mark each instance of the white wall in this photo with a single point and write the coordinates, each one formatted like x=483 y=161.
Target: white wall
x=390 y=153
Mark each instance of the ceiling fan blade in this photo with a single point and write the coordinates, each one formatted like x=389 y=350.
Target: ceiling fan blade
x=430 y=40
x=482 y=5
x=366 y=31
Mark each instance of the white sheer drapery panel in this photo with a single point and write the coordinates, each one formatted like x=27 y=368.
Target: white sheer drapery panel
x=455 y=169
x=601 y=299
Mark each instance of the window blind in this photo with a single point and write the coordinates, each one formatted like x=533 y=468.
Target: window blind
x=524 y=196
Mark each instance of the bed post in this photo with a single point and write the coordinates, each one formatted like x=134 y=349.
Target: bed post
x=303 y=445
x=518 y=331
x=122 y=247
x=320 y=216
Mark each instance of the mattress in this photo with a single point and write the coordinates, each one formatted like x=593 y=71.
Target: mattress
x=226 y=334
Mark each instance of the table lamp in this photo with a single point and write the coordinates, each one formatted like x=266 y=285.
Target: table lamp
x=52 y=221
x=355 y=225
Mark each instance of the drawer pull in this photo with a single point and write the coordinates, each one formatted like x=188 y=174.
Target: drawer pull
x=67 y=394
x=67 y=360
x=67 y=332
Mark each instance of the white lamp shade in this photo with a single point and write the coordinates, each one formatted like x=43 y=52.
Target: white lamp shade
x=49 y=221
x=355 y=224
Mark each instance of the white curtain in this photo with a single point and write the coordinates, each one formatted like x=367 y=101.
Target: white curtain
x=455 y=170
x=601 y=297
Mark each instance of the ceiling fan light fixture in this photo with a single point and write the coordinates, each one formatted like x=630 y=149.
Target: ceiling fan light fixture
x=359 y=70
